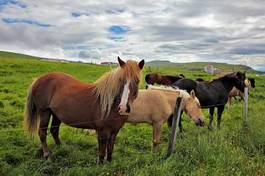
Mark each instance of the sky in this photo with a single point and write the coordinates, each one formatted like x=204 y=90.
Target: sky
x=95 y=31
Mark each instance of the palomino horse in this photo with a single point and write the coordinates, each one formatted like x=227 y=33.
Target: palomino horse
x=156 y=104
x=98 y=106
x=215 y=93
x=162 y=79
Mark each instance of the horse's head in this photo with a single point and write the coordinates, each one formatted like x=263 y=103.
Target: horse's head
x=239 y=80
x=192 y=108
x=129 y=83
x=252 y=82
x=151 y=78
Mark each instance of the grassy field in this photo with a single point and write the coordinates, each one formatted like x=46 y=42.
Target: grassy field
x=233 y=150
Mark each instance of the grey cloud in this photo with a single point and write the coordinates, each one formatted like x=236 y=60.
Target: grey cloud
x=89 y=55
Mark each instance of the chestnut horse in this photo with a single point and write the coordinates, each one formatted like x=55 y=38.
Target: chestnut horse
x=250 y=83
x=101 y=105
x=156 y=104
x=153 y=78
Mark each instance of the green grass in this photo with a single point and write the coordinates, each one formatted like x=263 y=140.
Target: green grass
x=233 y=150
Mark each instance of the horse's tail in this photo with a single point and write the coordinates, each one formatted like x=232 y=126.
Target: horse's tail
x=30 y=113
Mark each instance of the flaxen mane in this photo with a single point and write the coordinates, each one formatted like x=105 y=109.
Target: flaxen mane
x=183 y=93
x=110 y=84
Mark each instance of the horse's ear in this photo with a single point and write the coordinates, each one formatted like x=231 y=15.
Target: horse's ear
x=182 y=75
x=141 y=64
x=241 y=75
x=121 y=62
x=192 y=94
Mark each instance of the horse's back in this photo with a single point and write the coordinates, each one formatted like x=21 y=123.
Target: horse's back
x=66 y=97
x=45 y=86
x=147 y=105
x=185 y=84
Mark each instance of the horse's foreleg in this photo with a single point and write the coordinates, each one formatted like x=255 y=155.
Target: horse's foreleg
x=103 y=138
x=55 y=129
x=220 y=110
x=110 y=146
x=156 y=134
x=211 y=112
x=44 y=122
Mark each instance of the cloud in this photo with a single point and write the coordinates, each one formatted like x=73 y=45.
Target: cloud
x=26 y=21
x=92 y=54
x=11 y=2
x=180 y=31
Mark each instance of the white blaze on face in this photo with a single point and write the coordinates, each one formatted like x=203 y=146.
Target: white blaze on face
x=124 y=98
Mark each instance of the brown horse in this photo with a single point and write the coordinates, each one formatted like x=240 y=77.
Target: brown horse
x=101 y=106
x=156 y=104
x=162 y=79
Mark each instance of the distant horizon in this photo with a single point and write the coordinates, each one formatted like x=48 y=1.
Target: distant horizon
x=179 y=31
x=97 y=61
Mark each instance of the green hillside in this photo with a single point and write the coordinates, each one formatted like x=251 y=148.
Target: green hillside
x=198 y=66
x=233 y=150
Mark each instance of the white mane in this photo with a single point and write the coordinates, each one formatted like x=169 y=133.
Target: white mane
x=183 y=93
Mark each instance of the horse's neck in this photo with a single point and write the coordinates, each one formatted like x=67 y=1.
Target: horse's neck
x=228 y=84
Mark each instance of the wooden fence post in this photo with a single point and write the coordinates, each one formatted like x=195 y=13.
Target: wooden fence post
x=245 y=105
x=175 y=126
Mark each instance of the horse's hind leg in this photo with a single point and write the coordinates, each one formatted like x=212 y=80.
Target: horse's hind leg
x=211 y=111
x=55 y=129
x=44 y=122
x=220 y=110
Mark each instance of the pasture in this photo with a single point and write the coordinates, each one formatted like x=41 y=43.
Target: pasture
x=233 y=150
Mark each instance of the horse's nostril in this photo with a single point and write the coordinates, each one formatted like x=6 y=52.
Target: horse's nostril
x=200 y=122
x=128 y=110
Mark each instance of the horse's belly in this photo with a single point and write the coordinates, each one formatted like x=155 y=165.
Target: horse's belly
x=78 y=120
x=137 y=116
x=139 y=119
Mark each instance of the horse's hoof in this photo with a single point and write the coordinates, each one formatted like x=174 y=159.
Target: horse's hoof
x=99 y=162
x=46 y=155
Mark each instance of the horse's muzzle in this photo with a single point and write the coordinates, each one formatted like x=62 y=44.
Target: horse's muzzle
x=128 y=110
x=199 y=122
x=124 y=110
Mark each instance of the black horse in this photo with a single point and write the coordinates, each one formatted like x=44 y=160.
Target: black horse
x=213 y=94
x=252 y=82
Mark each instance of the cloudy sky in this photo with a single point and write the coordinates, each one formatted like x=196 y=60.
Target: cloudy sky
x=179 y=31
